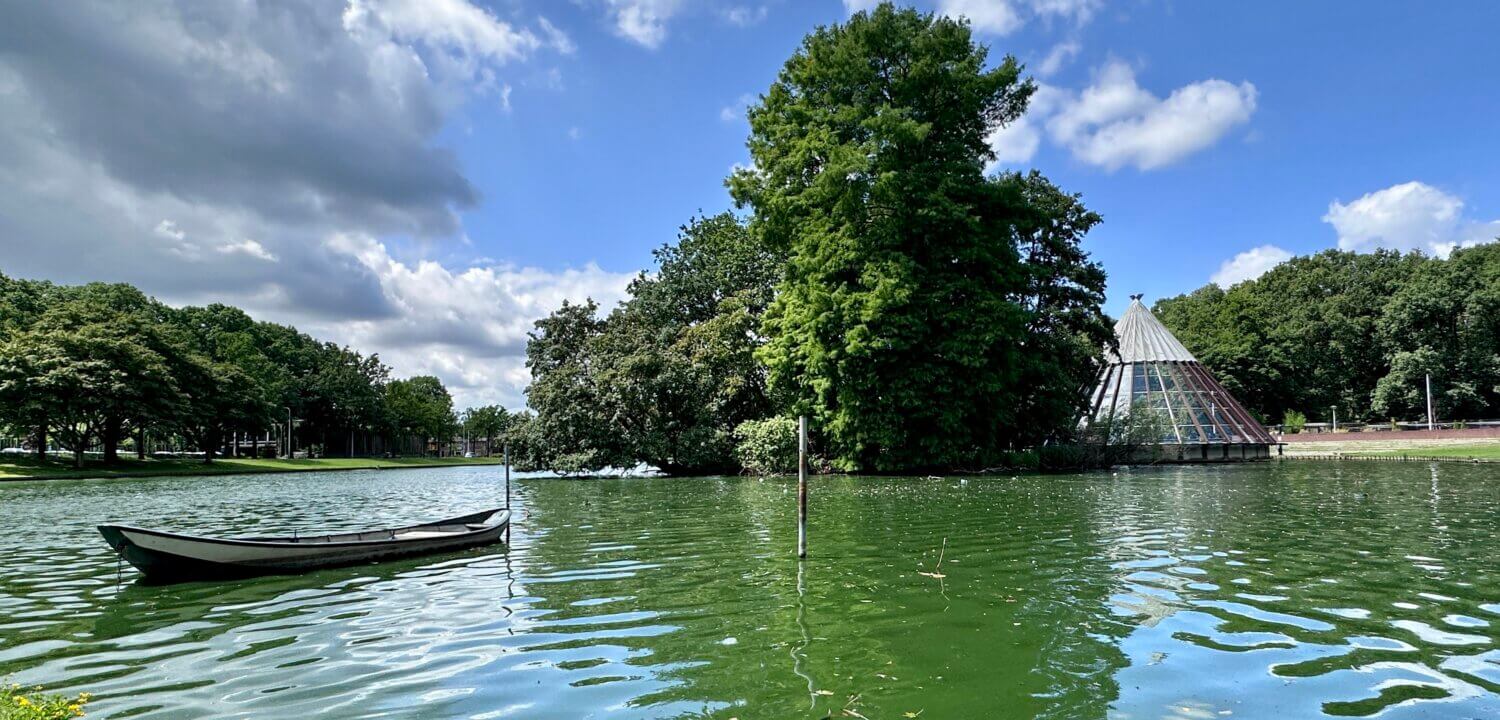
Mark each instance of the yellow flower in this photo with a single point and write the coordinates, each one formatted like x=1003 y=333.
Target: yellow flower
x=22 y=701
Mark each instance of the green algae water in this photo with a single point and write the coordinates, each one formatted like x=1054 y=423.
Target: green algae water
x=1292 y=590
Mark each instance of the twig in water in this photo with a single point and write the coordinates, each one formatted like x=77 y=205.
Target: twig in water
x=937 y=571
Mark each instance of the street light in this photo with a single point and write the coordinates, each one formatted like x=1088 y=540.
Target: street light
x=288 y=431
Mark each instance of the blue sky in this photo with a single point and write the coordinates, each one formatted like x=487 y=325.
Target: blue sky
x=1349 y=99
x=425 y=179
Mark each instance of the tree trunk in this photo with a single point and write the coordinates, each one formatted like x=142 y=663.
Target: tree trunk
x=140 y=443
x=41 y=441
x=77 y=456
x=211 y=442
x=111 y=438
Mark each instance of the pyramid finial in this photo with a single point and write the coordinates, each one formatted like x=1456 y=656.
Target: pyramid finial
x=1137 y=296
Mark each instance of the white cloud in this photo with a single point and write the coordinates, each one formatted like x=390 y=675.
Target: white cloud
x=997 y=17
x=556 y=38
x=1114 y=122
x=736 y=110
x=1058 y=57
x=1003 y=17
x=1017 y=142
x=1079 y=11
x=247 y=247
x=1409 y=216
x=1249 y=265
x=643 y=21
x=468 y=326
x=744 y=16
x=854 y=6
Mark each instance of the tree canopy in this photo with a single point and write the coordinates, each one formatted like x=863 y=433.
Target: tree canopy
x=89 y=366
x=665 y=378
x=924 y=309
x=1356 y=331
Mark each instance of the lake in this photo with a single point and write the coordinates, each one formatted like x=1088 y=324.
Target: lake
x=1290 y=590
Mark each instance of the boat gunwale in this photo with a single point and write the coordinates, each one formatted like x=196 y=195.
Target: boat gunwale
x=285 y=542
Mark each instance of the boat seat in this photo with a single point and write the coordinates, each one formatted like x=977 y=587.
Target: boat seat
x=421 y=534
x=476 y=526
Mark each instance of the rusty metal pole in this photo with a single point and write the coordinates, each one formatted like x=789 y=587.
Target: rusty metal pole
x=802 y=486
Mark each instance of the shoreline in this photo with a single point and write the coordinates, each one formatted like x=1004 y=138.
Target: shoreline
x=233 y=466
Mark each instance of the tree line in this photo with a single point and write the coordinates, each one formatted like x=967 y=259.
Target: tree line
x=1360 y=332
x=923 y=314
x=104 y=365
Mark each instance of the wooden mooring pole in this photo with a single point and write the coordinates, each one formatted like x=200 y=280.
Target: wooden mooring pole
x=506 y=451
x=802 y=486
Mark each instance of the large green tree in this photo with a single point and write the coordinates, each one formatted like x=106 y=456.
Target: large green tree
x=75 y=377
x=488 y=422
x=666 y=377
x=904 y=321
x=420 y=406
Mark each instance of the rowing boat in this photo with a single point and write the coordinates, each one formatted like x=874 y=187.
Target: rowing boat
x=166 y=556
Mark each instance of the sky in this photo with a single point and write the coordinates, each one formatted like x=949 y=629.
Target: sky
x=423 y=179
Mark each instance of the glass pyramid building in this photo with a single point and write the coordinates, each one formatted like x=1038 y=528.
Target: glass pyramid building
x=1154 y=379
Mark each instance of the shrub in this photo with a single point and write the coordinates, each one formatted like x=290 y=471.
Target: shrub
x=1293 y=422
x=767 y=447
x=17 y=703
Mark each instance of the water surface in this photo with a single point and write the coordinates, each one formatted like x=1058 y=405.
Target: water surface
x=1296 y=590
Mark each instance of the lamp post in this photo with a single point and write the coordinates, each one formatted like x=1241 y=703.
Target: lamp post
x=288 y=431
x=1429 y=401
x=1335 y=419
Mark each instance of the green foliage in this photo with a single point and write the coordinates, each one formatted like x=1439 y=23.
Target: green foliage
x=666 y=377
x=1359 y=331
x=420 y=406
x=17 y=703
x=1293 y=421
x=767 y=447
x=928 y=316
x=92 y=364
x=523 y=437
x=488 y=422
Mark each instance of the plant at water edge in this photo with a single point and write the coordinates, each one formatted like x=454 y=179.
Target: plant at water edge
x=1293 y=422
x=767 y=447
x=18 y=703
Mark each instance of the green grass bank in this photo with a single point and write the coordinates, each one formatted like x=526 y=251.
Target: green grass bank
x=59 y=468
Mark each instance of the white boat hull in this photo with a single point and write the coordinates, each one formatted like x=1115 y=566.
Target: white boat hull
x=171 y=556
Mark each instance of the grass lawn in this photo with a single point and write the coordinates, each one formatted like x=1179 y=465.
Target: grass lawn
x=1490 y=451
x=28 y=468
x=1377 y=445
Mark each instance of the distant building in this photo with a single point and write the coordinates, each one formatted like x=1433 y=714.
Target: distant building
x=1155 y=395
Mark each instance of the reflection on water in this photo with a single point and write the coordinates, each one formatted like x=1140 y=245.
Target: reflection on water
x=1272 y=591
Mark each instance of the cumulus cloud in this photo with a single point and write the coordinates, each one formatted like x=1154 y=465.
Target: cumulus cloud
x=1409 y=216
x=1249 y=265
x=1058 y=57
x=1017 y=142
x=643 y=22
x=1115 y=122
x=228 y=152
x=997 y=17
x=467 y=326
x=1003 y=17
